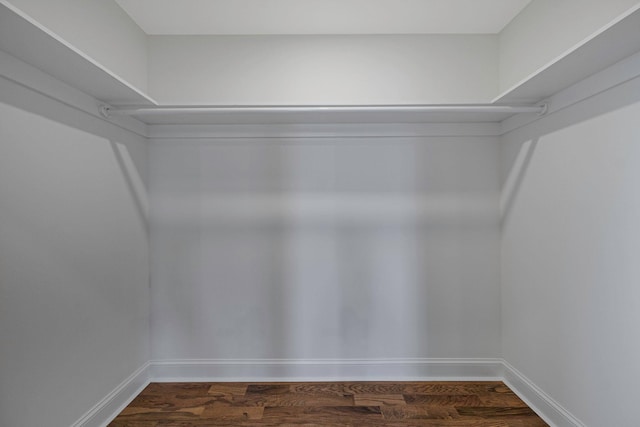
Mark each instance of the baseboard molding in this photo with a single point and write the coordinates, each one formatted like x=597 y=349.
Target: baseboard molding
x=325 y=370
x=547 y=408
x=209 y=370
x=112 y=404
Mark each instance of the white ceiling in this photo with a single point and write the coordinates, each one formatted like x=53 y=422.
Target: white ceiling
x=266 y=17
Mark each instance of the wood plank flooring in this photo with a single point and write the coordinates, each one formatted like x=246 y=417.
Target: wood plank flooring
x=334 y=404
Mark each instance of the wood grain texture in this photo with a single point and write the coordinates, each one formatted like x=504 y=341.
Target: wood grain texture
x=335 y=404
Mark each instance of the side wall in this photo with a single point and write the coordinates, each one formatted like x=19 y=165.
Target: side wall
x=291 y=70
x=338 y=248
x=74 y=295
x=570 y=246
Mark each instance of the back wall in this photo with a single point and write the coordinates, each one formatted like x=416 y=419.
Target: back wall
x=332 y=248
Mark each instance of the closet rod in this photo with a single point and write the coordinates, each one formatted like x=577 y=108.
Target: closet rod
x=109 y=111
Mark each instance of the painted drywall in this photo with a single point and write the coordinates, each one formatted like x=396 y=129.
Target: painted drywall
x=324 y=248
x=294 y=17
x=291 y=70
x=99 y=29
x=74 y=306
x=570 y=247
x=546 y=29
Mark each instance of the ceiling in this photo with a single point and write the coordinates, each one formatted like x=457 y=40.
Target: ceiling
x=273 y=17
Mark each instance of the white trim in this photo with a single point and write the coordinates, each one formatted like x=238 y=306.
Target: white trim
x=256 y=109
x=206 y=370
x=323 y=141
x=113 y=403
x=326 y=130
x=283 y=370
x=544 y=405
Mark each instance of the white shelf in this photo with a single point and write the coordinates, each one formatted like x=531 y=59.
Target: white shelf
x=613 y=43
x=34 y=44
x=30 y=42
x=320 y=117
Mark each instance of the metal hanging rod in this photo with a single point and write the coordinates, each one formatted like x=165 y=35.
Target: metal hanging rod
x=109 y=111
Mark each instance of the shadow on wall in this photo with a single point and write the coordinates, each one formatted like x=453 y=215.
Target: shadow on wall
x=48 y=108
x=134 y=182
x=522 y=143
x=515 y=178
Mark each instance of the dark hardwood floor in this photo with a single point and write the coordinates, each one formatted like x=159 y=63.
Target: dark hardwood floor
x=335 y=404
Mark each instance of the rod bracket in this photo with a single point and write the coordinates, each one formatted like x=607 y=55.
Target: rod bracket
x=105 y=111
x=544 y=109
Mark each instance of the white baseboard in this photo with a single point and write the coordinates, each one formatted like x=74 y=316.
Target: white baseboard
x=209 y=370
x=112 y=404
x=547 y=408
x=325 y=370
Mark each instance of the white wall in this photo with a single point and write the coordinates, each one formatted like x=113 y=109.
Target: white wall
x=545 y=29
x=570 y=246
x=325 y=248
x=74 y=306
x=98 y=28
x=322 y=69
